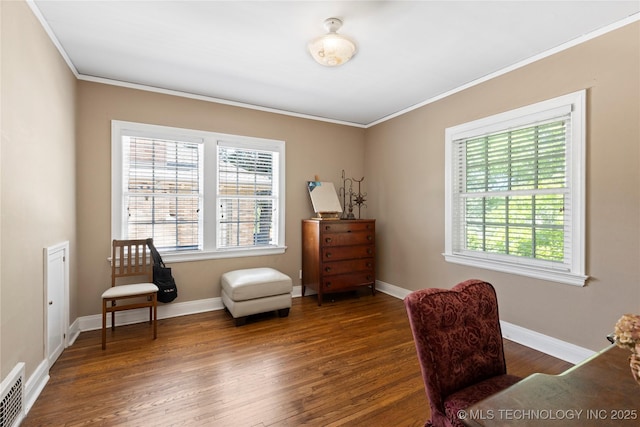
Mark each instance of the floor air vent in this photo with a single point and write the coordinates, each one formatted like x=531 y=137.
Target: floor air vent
x=12 y=403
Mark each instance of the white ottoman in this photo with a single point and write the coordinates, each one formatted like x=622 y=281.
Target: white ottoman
x=256 y=290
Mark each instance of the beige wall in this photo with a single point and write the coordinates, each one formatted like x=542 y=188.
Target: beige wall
x=37 y=177
x=312 y=148
x=405 y=169
x=55 y=183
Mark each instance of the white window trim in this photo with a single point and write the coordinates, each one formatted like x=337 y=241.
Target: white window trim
x=210 y=140
x=576 y=102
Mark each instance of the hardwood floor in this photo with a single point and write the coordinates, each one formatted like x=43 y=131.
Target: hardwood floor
x=351 y=362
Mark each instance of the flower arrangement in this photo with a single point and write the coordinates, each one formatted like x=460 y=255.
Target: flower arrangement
x=627 y=335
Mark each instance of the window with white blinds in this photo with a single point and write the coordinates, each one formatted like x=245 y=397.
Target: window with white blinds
x=515 y=190
x=247 y=196
x=198 y=194
x=163 y=191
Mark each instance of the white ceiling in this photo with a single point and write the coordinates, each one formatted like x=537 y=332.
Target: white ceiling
x=254 y=52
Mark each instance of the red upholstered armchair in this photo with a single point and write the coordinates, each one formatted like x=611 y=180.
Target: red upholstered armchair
x=459 y=343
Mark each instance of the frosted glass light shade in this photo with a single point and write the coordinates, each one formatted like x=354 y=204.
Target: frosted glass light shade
x=332 y=49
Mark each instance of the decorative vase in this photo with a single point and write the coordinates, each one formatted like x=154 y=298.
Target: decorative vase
x=634 y=363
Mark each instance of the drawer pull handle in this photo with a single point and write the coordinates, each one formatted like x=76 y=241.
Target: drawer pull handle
x=328 y=254
x=328 y=284
x=369 y=251
x=368 y=277
x=327 y=269
x=369 y=237
x=328 y=240
x=369 y=264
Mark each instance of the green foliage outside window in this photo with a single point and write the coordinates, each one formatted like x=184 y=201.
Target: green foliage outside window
x=514 y=198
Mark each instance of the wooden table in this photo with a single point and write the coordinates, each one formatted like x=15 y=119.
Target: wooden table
x=600 y=391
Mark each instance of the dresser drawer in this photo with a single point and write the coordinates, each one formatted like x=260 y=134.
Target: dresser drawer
x=347 y=281
x=347 y=252
x=345 y=239
x=348 y=266
x=346 y=226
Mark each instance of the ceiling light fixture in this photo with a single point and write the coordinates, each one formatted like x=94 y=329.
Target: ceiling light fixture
x=332 y=49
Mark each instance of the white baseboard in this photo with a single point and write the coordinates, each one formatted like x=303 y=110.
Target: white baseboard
x=544 y=343
x=174 y=309
x=297 y=292
x=389 y=289
x=532 y=339
x=35 y=384
x=73 y=332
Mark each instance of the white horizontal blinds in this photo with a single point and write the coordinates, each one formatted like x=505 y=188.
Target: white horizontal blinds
x=247 y=196
x=511 y=192
x=163 y=191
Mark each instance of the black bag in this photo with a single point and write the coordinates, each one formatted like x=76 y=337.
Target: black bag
x=162 y=278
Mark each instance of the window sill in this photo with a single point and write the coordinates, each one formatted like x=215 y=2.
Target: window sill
x=536 y=272
x=171 y=257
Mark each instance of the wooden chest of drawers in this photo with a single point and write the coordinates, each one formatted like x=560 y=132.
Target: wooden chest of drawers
x=338 y=255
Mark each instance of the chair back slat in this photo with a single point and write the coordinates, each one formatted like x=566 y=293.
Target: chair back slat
x=130 y=258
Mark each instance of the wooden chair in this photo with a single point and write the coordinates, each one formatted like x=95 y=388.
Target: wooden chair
x=130 y=259
x=459 y=343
